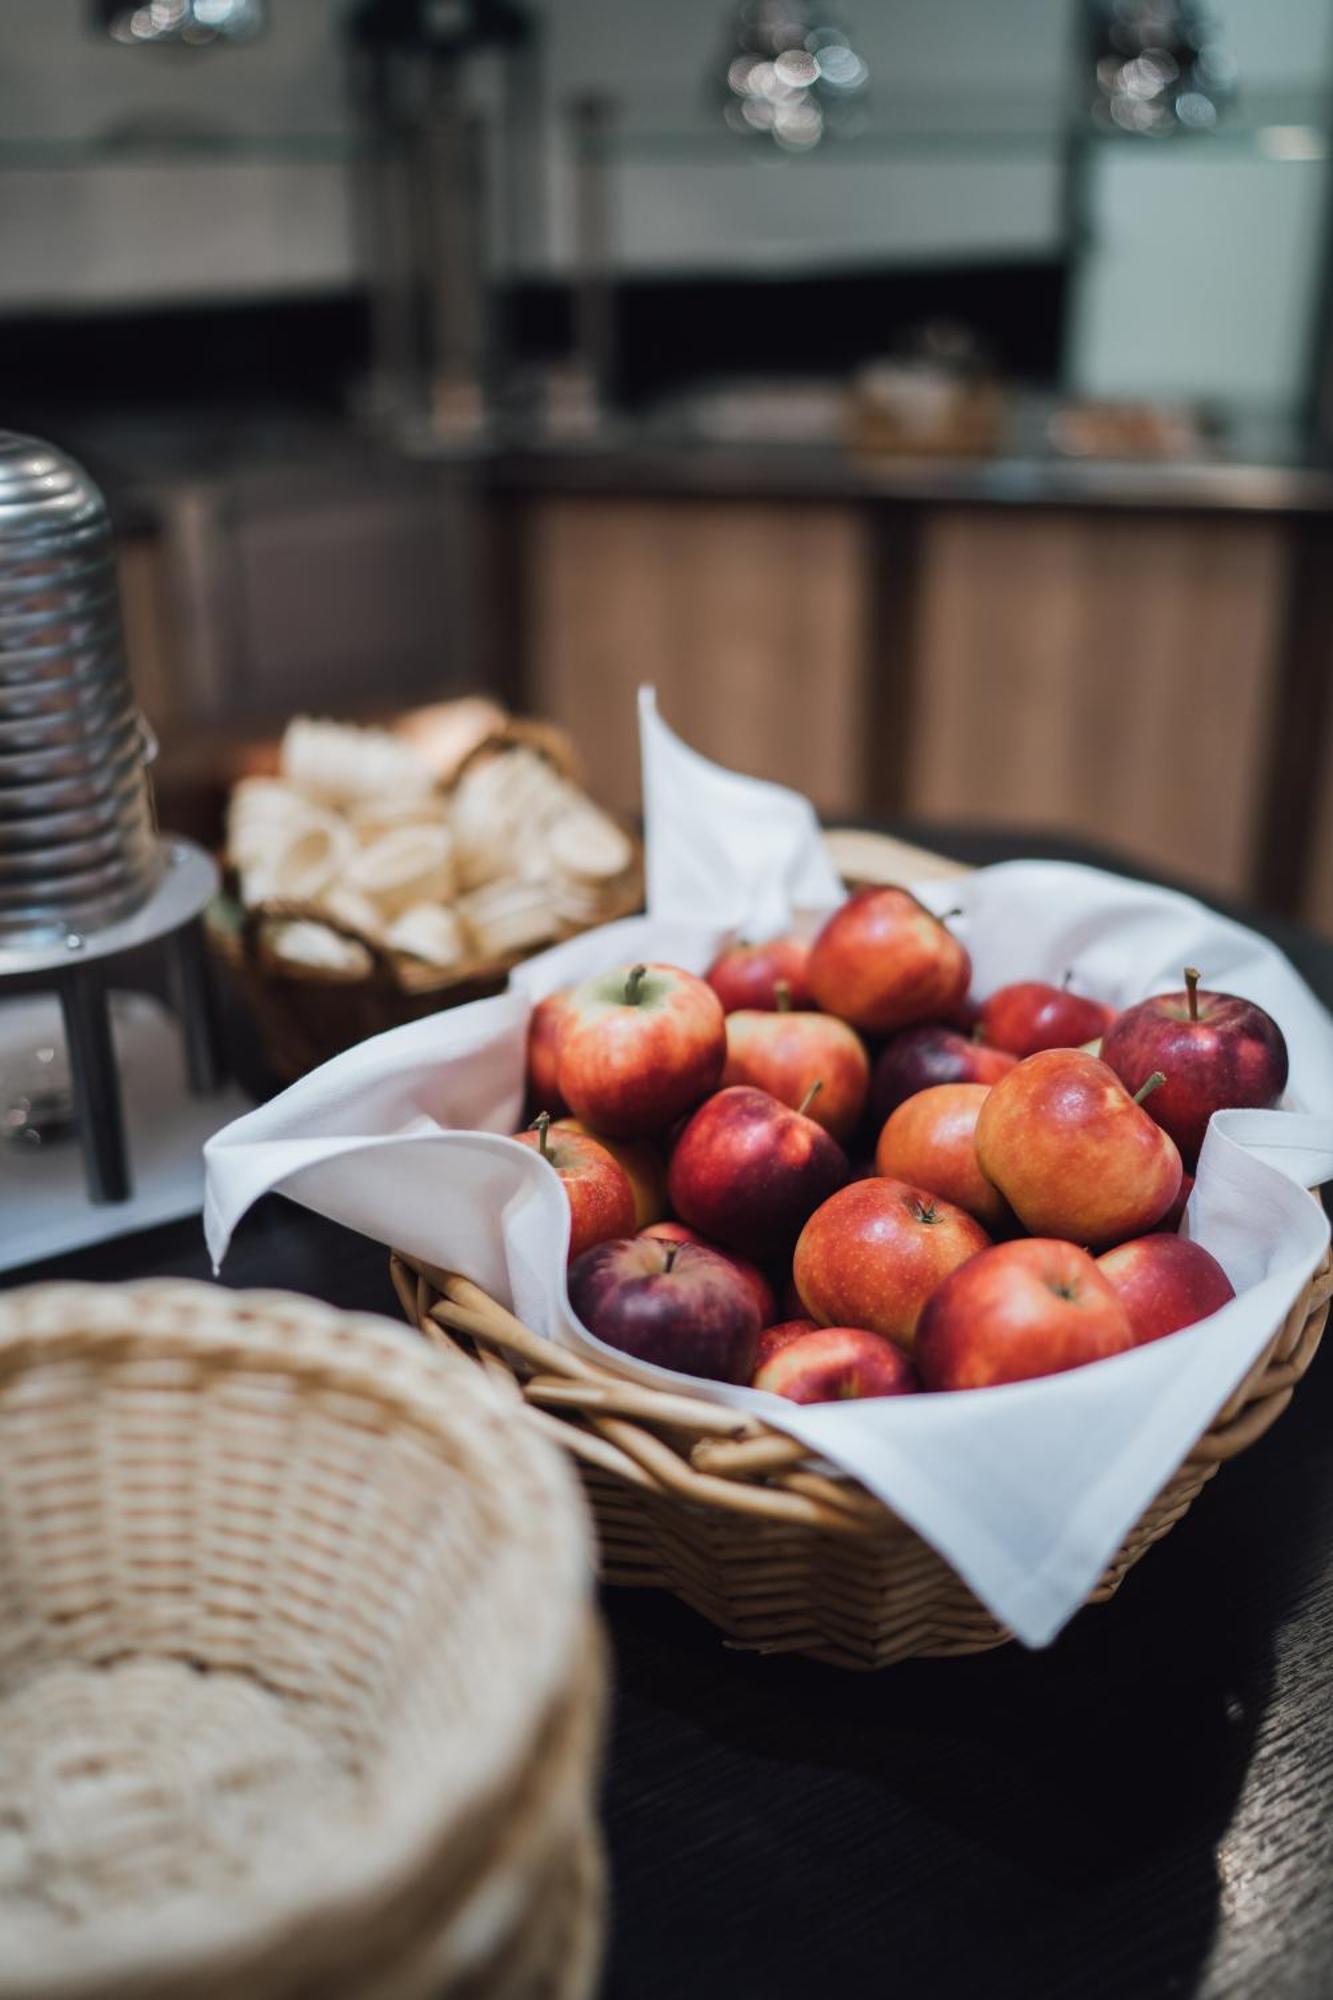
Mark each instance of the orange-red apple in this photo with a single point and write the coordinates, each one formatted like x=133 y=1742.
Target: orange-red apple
x=675 y=1304
x=836 y=1364
x=1164 y=1283
x=544 y=1025
x=1072 y=1153
x=761 y=976
x=1030 y=1014
x=872 y=1255
x=638 y=1047
x=883 y=961
x=761 y=1290
x=1034 y=1307
x=748 y=1171
x=931 y=1140
x=789 y=1054
x=601 y=1200
x=642 y=1164
x=773 y=1339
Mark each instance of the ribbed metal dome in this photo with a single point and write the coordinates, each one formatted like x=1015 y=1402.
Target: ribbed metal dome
x=78 y=846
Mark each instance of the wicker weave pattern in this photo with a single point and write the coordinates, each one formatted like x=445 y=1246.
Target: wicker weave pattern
x=299 y=1688
x=734 y=1518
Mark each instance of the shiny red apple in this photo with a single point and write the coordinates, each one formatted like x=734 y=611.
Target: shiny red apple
x=642 y=1163
x=762 y=1292
x=882 y=961
x=1216 y=1051
x=544 y=1025
x=638 y=1047
x=674 y=1304
x=748 y=1171
x=773 y=1339
x=1072 y=1153
x=837 y=1364
x=811 y=1062
x=1164 y=1283
x=1030 y=1015
x=759 y=976
x=1033 y=1307
x=931 y=1140
x=872 y=1255
x=932 y=1052
x=601 y=1200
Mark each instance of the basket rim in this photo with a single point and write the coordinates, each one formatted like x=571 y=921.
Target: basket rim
x=407 y=1827
x=671 y=1442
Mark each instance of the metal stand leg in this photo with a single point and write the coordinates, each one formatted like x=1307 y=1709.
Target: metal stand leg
x=196 y=1007
x=96 y=1086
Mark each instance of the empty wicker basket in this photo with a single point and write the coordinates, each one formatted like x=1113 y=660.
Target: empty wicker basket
x=300 y=1688
x=737 y=1519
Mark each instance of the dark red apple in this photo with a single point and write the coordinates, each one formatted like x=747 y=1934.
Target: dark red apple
x=761 y=1290
x=748 y=1171
x=758 y=976
x=1165 y=1283
x=836 y=1364
x=872 y=1255
x=882 y=961
x=1034 y=1307
x=675 y=1304
x=918 y=1058
x=931 y=1140
x=1216 y=1051
x=811 y=1062
x=1072 y=1152
x=638 y=1047
x=773 y=1339
x=601 y=1200
x=1031 y=1015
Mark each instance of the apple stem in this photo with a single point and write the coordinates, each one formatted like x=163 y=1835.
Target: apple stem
x=782 y=996
x=1192 y=988
x=671 y=1253
x=1064 y=983
x=949 y=915
x=1146 y=1089
x=634 y=984
x=541 y=1125
x=810 y=1096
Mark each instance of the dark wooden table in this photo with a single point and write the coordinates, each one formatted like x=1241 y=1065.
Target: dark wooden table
x=1144 y=1809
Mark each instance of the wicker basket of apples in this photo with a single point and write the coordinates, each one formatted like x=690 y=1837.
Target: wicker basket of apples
x=824 y=1171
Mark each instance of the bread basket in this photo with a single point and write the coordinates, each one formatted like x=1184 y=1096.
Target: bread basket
x=306 y=1014
x=735 y=1519
x=300 y=1688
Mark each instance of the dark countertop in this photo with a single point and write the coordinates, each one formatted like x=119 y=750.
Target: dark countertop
x=1141 y=1812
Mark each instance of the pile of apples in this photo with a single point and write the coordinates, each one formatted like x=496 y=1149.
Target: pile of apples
x=825 y=1170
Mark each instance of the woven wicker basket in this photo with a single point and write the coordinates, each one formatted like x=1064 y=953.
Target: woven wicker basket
x=734 y=1518
x=300 y=1688
x=307 y=1014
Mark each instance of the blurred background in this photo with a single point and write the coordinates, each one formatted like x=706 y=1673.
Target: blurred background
x=933 y=397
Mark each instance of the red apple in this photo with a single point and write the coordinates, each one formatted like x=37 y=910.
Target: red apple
x=1215 y=1050
x=675 y=1304
x=874 y=1253
x=638 y=1047
x=1032 y=1015
x=1072 y=1153
x=916 y=1058
x=835 y=1364
x=642 y=1164
x=761 y=1290
x=748 y=1171
x=883 y=961
x=773 y=1339
x=1175 y=1215
x=750 y=975
x=931 y=1139
x=1164 y=1283
x=809 y=1061
x=1034 y=1307
x=544 y=1025
x=601 y=1200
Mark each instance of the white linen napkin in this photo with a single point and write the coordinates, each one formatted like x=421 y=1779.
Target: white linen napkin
x=1028 y=1489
